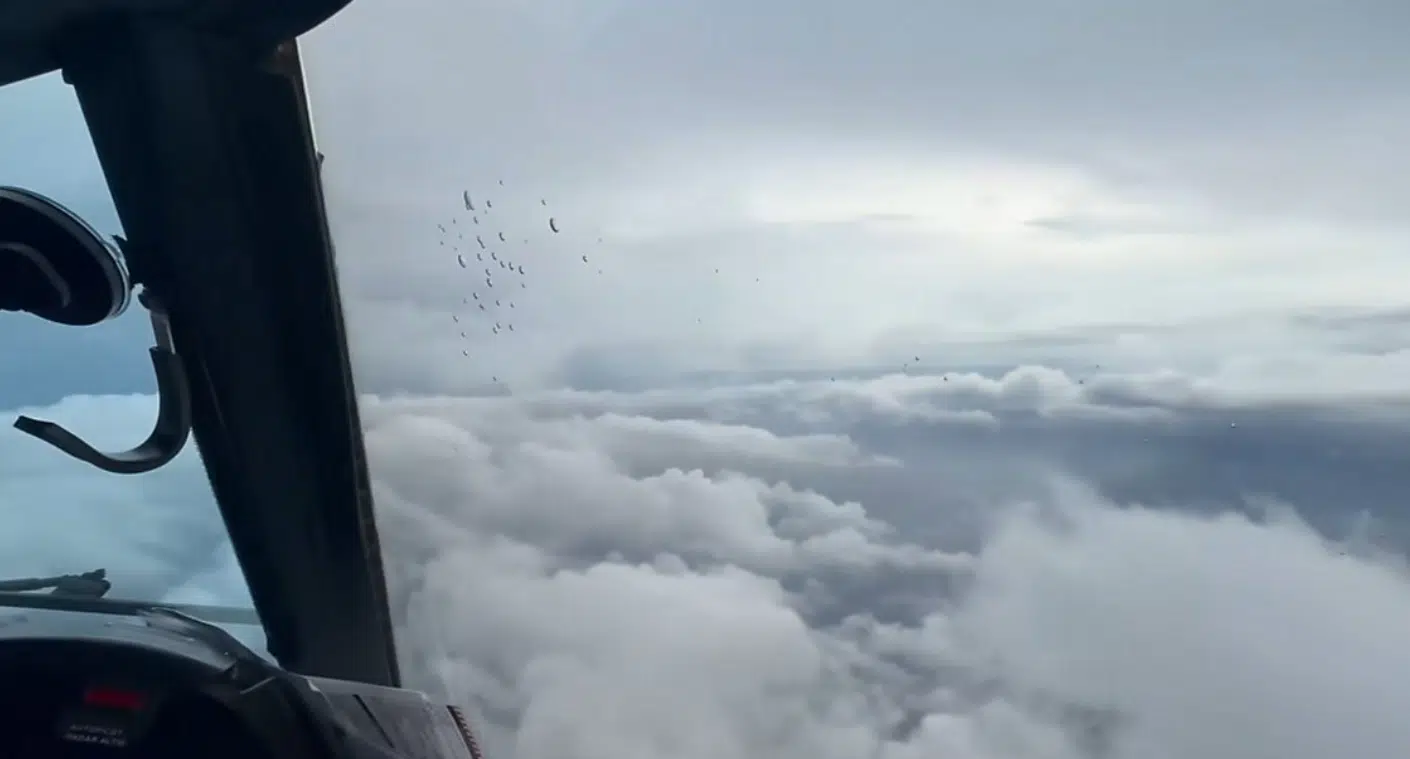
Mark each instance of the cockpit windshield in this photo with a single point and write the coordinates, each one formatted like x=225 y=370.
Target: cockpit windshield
x=157 y=537
x=806 y=378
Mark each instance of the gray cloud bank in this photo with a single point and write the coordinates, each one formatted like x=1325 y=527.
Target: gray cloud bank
x=1026 y=564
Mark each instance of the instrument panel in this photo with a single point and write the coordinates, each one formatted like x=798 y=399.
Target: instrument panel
x=163 y=684
x=51 y=710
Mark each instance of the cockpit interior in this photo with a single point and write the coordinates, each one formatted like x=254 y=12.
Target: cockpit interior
x=198 y=116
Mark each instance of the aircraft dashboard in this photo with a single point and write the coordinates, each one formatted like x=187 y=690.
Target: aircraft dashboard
x=161 y=684
x=95 y=700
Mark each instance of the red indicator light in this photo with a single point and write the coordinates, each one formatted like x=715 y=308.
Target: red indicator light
x=114 y=698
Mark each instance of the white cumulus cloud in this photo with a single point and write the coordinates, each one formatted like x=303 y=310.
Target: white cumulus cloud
x=606 y=575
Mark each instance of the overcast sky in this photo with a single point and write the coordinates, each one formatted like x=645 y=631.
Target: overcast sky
x=979 y=380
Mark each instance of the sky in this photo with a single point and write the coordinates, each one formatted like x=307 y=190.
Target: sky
x=977 y=381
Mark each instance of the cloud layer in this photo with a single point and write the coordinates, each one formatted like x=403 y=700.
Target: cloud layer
x=859 y=567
